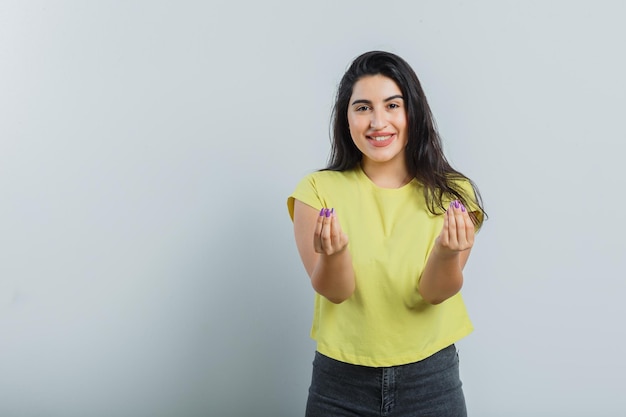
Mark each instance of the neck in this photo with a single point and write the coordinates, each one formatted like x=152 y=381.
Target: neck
x=386 y=175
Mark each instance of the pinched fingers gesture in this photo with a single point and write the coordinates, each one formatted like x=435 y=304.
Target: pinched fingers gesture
x=329 y=238
x=457 y=233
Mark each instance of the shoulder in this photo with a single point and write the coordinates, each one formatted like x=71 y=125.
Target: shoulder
x=327 y=179
x=332 y=175
x=471 y=198
x=465 y=185
x=315 y=188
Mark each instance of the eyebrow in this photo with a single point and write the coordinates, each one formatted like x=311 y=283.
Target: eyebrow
x=370 y=102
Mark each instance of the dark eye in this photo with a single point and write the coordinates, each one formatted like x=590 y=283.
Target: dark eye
x=362 y=108
x=394 y=106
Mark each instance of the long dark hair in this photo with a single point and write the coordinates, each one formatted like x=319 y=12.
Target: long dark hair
x=424 y=152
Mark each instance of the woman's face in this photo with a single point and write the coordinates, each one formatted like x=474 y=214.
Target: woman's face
x=377 y=120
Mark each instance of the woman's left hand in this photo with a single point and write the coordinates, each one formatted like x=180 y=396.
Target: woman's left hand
x=457 y=233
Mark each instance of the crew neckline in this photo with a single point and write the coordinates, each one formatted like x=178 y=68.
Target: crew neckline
x=378 y=187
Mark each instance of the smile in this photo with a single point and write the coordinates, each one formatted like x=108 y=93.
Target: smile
x=380 y=138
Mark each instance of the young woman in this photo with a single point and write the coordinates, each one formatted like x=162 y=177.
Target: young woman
x=384 y=233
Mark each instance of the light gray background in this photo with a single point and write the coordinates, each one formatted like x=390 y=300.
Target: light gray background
x=147 y=264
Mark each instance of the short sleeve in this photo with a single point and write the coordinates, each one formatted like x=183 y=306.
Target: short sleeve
x=306 y=191
x=472 y=203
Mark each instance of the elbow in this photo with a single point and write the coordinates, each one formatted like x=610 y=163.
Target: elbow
x=336 y=297
x=337 y=300
x=436 y=298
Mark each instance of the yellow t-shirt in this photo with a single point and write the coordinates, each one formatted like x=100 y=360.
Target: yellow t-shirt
x=391 y=234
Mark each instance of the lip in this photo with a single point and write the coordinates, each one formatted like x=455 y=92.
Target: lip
x=381 y=143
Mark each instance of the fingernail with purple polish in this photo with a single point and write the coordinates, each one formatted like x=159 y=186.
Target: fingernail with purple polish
x=322 y=212
x=332 y=211
x=456 y=203
x=462 y=208
x=327 y=213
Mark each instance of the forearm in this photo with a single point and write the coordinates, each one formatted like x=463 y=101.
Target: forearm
x=442 y=277
x=333 y=276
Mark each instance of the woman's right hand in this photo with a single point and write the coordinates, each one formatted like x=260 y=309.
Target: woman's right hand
x=328 y=238
x=323 y=247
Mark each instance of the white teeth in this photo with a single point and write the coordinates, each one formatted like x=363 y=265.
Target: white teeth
x=381 y=138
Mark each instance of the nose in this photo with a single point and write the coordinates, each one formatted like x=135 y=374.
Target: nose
x=377 y=121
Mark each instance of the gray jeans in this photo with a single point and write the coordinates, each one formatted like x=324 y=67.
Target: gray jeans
x=430 y=387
